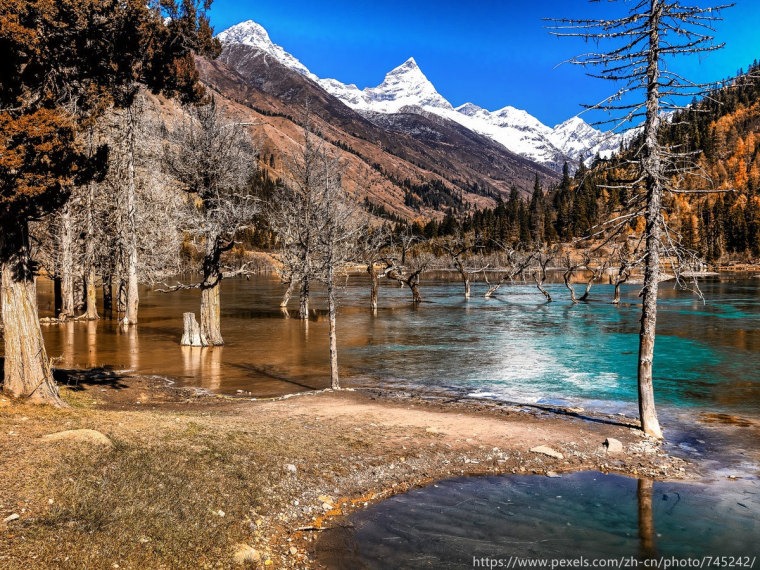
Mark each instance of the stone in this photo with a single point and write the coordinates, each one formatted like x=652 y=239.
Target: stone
x=553 y=474
x=245 y=553
x=90 y=436
x=290 y=468
x=546 y=450
x=11 y=518
x=613 y=445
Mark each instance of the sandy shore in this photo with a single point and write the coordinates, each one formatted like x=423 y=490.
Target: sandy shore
x=196 y=480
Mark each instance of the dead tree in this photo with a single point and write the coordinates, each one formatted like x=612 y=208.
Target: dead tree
x=643 y=39
x=337 y=234
x=459 y=248
x=213 y=160
x=596 y=273
x=370 y=248
x=542 y=257
x=293 y=215
x=570 y=267
x=405 y=262
x=514 y=262
x=624 y=269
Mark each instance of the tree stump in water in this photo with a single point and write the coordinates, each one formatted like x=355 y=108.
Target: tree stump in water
x=192 y=334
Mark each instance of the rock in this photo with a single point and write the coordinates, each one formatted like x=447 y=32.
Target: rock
x=553 y=474
x=290 y=468
x=245 y=553
x=545 y=450
x=325 y=499
x=293 y=550
x=90 y=436
x=11 y=518
x=613 y=445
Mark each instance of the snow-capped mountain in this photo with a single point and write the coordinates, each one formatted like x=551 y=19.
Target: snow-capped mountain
x=406 y=88
x=249 y=33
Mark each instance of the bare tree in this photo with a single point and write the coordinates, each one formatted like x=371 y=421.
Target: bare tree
x=213 y=160
x=570 y=267
x=513 y=262
x=461 y=249
x=542 y=257
x=642 y=41
x=337 y=235
x=405 y=261
x=294 y=213
x=596 y=273
x=370 y=248
x=625 y=267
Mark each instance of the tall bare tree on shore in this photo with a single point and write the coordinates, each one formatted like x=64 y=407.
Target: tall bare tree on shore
x=642 y=42
x=337 y=235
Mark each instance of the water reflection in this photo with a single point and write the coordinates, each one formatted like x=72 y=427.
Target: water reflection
x=589 y=514
x=646 y=518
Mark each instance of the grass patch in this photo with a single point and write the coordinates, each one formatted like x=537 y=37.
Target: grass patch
x=182 y=504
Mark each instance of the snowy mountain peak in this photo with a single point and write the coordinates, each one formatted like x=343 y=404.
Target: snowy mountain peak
x=470 y=109
x=405 y=86
x=247 y=33
x=251 y=34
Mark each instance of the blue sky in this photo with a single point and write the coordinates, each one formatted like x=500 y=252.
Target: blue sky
x=493 y=53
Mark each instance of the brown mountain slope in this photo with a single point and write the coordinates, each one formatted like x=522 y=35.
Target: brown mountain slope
x=391 y=156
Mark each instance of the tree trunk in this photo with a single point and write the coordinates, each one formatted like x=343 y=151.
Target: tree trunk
x=108 y=295
x=653 y=168
x=92 y=297
x=464 y=276
x=594 y=276
x=616 y=297
x=373 y=286
x=288 y=293
x=27 y=368
x=132 y=299
x=303 y=310
x=331 y=310
x=192 y=331
x=211 y=304
x=91 y=313
x=67 y=266
x=57 y=296
x=121 y=297
x=570 y=288
x=211 y=314
x=540 y=285
x=414 y=285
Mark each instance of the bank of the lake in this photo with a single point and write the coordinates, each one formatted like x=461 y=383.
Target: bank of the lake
x=193 y=479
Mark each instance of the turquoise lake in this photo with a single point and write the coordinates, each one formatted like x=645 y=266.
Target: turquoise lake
x=513 y=347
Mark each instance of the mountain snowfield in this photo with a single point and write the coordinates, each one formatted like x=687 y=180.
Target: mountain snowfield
x=406 y=89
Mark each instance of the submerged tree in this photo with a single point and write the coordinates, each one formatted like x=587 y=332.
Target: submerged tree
x=642 y=42
x=214 y=161
x=294 y=216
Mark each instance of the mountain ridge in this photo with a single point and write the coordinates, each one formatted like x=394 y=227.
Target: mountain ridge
x=406 y=87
